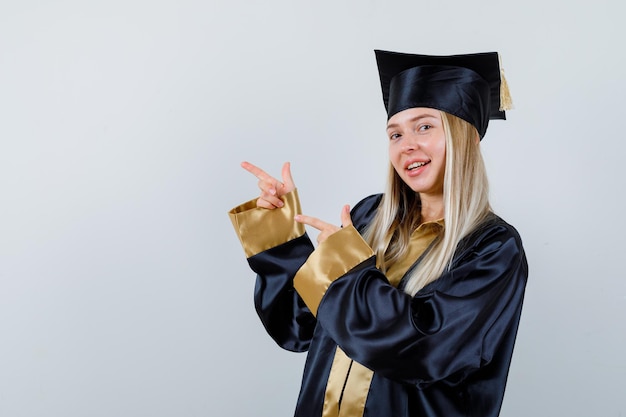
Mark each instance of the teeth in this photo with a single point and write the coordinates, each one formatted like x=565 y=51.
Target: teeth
x=416 y=165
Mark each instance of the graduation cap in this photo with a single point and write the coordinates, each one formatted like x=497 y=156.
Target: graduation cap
x=470 y=86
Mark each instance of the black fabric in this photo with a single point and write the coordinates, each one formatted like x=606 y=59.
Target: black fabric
x=467 y=86
x=444 y=352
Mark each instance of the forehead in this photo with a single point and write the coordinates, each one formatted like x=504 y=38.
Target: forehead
x=413 y=114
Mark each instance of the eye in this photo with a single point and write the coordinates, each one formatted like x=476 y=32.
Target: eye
x=424 y=127
x=394 y=136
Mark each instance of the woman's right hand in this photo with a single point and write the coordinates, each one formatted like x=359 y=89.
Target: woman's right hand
x=271 y=189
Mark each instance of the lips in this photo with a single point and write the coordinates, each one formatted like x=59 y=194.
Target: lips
x=416 y=165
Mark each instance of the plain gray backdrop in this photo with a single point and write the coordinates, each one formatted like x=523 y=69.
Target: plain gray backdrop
x=123 y=288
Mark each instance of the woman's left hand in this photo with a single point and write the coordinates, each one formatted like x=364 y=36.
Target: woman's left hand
x=326 y=229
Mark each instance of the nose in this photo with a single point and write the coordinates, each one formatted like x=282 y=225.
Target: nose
x=411 y=143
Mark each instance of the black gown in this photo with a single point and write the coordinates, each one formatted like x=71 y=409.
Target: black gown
x=444 y=352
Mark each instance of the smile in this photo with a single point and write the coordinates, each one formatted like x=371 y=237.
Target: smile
x=416 y=165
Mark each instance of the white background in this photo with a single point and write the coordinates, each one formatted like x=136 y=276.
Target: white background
x=123 y=289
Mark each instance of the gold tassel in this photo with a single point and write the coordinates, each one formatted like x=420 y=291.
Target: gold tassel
x=506 y=102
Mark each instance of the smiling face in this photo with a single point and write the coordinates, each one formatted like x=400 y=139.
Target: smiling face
x=417 y=149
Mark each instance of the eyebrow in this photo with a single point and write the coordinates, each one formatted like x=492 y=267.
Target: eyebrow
x=413 y=120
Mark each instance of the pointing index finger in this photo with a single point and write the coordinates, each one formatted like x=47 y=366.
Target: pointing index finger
x=312 y=221
x=256 y=171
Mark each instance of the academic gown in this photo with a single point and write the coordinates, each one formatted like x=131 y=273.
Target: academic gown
x=444 y=352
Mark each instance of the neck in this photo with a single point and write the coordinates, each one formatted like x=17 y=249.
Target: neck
x=432 y=207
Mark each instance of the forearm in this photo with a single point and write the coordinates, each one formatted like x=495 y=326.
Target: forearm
x=275 y=247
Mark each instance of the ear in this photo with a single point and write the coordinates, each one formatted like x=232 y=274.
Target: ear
x=477 y=138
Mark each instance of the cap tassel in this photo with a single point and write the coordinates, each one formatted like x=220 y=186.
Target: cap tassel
x=506 y=102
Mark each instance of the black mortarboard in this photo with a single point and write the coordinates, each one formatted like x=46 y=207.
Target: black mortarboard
x=467 y=86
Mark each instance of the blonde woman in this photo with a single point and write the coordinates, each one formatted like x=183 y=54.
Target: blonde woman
x=411 y=307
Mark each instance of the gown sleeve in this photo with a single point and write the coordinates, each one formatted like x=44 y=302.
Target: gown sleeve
x=275 y=247
x=448 y=330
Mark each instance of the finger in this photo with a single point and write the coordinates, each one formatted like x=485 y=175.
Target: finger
x=287 y=178
x=269 y=202
x=326 y=233
x=322 y=237
x=313 y=222
x=262 y=203
x=346 y=220
x=267 y=187
x=272 y=199
x=257 y=172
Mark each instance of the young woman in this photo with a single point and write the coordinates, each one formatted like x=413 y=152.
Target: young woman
x=411 y=308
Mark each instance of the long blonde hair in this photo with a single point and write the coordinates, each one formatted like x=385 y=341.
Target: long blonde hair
x=466 y=205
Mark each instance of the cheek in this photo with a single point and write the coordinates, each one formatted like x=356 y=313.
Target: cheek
x=395 y=150
x=443 y=164
x=394 y=157
x=441 y=149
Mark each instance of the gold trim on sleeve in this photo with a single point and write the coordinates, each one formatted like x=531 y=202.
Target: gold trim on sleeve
x=333 y=258
x=260 y=229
